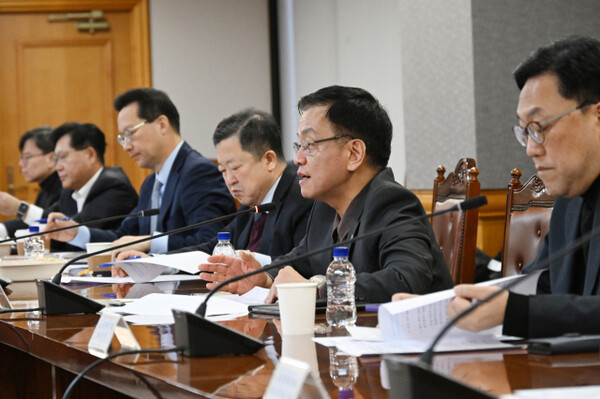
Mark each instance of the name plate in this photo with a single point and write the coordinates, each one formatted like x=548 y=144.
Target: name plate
x=111 y=324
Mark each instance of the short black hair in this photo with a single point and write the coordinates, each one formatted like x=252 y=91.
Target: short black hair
x=41 y=136
x=152 y=103
x=574 y=60
x=356 y=113
x=257 y=131
x=83 y=135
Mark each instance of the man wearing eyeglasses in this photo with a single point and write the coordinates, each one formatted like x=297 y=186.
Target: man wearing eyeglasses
x=559 y=124
x=89 y=190
x=186 y=187
x=36 y=164
x=344 y=145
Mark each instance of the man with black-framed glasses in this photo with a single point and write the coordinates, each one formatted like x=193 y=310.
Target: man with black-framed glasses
x=343 y=147
x=186 y=187
x=559 y=124
x=36 y=164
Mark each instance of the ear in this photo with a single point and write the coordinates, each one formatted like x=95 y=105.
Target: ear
x=91 y=153
x=596 y=110
x=357 y=154
x=163 y=124
x=270 y=158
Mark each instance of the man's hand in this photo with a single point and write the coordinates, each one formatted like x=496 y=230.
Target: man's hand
x=141 y=247
x=116 y=271
x=65 y=235
x=402 y=296
x=8 y=204
x=486 y=316
x=286 y=275
x=223 y=267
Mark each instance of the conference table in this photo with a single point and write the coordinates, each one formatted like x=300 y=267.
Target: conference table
x=40 y=355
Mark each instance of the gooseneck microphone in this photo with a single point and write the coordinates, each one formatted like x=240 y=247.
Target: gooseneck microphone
x=147 y=212
x=54 y=298
x=202 y=337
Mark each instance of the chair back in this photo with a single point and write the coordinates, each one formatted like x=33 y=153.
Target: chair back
x=456 y=232
x=528 y=211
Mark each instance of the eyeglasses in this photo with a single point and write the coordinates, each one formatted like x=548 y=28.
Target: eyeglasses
x=535 y=130
x=127 y=134
x=26 y=158
x=309 y=146
x=61 y=156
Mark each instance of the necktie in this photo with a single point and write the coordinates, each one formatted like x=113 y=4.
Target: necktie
x=155 y=203
x=256 y=233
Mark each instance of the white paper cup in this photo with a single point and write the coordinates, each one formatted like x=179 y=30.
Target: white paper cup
x=20 y=241
x=297 y=308
x=97 y=260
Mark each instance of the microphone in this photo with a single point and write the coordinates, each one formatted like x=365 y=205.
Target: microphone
x=417 y=380
x=193 y=331
x=147 y=212
x=58 y=300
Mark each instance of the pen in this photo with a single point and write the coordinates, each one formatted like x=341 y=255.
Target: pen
x=371 y=308
x=109 y=264
x=46 y=220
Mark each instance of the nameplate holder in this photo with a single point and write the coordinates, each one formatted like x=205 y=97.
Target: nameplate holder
x=289 y=377
x=4 y=301
x=111 y=324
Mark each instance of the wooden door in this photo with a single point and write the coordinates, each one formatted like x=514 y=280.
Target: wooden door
x=51 y=73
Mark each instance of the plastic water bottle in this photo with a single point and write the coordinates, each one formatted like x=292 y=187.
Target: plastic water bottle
x=341 y=309
x=343 y=370
x=224 y=246
x=33 y=247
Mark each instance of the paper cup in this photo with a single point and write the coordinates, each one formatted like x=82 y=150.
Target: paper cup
x=20 y=233
x=97 y=260
x=301 y=347
x=297 y=308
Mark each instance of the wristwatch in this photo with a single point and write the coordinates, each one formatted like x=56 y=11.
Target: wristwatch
x=22 y=209
x=321 y=285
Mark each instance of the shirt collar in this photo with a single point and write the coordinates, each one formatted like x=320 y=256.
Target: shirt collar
x=165 y=171
x=82 y=193
x=269 y=197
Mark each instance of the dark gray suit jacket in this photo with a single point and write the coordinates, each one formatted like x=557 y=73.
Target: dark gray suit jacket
x=406 y=259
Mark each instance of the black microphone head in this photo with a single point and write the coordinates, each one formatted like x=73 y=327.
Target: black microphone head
x=473 y=203
x=148 y=212
x=265 y=207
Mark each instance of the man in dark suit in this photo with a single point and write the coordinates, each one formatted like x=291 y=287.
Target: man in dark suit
x=344 y=145
x=559 y=124
x=185 y=186
x=253 y=166
x=37 y=150
x=90 y=191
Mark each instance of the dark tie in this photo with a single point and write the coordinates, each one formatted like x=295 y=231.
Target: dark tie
x=155 y=203
x=256 y=233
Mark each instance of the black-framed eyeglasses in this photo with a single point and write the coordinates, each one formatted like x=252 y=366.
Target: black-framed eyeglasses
x=309 y=146
x=127 y=134
x=535 y=130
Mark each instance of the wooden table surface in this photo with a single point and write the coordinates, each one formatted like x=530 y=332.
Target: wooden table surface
x=39 y=356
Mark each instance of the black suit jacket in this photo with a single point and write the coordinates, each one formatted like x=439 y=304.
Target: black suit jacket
x=112 y=194
x=406 y=259
x=50 y=190
x=284 y=227
x=562 y=312
x=195 y=192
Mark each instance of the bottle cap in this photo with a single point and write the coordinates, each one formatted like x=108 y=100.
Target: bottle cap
x=224 y=236
x=34 y=229
x=340 y=252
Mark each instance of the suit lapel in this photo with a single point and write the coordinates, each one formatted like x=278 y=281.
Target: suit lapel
x=593 y=264
x=172 y=184
x=284 y=184
x=561 y=280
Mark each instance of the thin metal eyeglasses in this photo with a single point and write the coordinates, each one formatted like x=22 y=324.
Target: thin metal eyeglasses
x=27 y=158
x=127 y=134
x=61 y=156
x=535 y=130
x=308 y=146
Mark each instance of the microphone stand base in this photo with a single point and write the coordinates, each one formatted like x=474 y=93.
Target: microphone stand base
x=58 y=300
x=413 y=380
x=203 y=338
